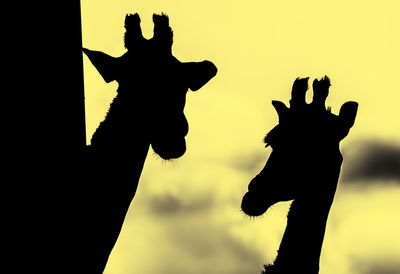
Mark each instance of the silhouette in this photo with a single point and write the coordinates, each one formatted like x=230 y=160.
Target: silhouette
x=44 y=128
x=304 y=166
x=148 y=110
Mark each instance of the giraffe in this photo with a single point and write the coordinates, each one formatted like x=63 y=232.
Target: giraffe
x=304 y=166
x=148 y=110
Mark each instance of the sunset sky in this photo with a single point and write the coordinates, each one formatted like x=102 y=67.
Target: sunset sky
x=185 y=217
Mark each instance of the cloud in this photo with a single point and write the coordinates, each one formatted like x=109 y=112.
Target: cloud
x=372 y=266
x=251 y=161
x=171 y=204
x=189 y=242
x=366 y=161
x=384 y=269
x=191 y=186
x=372 y=161
x=209 y=247
x=362 y=232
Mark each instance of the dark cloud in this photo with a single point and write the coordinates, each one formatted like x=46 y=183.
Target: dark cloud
x=371 y=161
x=215 y=249
x=252 y=161
x=364 y=161
x=383 y=268
x=171 y=204
x=250 y=259
x=191 y=243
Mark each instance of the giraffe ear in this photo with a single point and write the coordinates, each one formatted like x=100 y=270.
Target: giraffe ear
x=105 y=64
x=280 y=108
x=197 y=74
x=347 y=116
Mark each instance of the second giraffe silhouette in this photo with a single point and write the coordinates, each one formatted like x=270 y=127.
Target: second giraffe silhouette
x=148 y=110
x=304 y=166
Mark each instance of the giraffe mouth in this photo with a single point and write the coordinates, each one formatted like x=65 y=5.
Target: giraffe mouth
x=170 y=148
x=253 y=204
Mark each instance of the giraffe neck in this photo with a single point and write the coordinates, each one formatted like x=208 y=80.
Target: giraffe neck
x=300 y=248
x=114 y=177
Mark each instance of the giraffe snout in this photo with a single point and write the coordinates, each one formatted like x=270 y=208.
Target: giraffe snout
x=253 y=204
x=169 y=148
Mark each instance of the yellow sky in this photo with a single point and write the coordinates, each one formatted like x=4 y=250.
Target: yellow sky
x=259 y=47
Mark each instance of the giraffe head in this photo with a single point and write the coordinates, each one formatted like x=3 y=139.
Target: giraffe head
x=153 y=85
x=305 y=148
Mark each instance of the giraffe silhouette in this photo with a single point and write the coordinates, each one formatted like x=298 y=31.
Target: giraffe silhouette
x=148 y=110
x=304 y=166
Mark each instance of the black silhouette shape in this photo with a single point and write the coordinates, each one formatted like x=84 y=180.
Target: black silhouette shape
x=147 y=110
x=304 y=166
